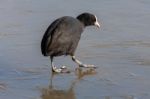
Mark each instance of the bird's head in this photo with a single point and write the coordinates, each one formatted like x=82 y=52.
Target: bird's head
x=88 y=19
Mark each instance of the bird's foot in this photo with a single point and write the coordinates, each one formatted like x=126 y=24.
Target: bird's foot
x=87 y=66
x=63 y=69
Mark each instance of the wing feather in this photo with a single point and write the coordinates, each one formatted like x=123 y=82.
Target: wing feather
x=47 y=36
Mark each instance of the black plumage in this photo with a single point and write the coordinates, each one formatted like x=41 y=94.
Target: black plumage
x=63 y=35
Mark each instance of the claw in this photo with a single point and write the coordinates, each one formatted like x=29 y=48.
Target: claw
x=63 y=69
x=87 y=66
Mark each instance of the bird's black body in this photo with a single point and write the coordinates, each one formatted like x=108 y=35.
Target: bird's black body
x=62 y=37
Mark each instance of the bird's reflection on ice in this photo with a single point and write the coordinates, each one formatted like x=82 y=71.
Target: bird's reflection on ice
x=54 y=93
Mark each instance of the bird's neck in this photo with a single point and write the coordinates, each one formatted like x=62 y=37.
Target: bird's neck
x=82 y=21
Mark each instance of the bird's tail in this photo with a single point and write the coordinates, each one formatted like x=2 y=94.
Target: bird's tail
x=43 y=46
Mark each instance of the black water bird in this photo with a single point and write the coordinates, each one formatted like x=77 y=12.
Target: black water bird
x=63 y=35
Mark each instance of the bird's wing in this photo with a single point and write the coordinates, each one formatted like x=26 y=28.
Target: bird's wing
x=48 y=35
x=61 y=31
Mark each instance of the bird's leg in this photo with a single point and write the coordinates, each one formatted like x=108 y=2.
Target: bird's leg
x=58 y=70
x=81 y=64
x=54 y=69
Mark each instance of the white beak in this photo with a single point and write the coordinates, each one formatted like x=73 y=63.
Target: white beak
x=97 y=24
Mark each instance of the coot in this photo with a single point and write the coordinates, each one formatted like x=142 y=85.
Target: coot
x=62 y=37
